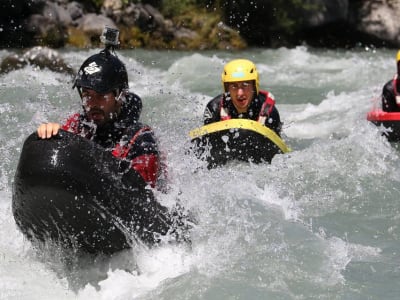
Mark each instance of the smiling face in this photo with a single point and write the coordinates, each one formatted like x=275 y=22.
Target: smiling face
x=100 y=108
x=242 y=93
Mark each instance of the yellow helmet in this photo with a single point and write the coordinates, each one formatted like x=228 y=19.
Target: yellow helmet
x=240 y=70
x=398 y=56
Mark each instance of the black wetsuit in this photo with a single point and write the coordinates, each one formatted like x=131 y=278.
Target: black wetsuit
x=389 y=96
x=125 y=137
x=212 y=112
x=128 y=139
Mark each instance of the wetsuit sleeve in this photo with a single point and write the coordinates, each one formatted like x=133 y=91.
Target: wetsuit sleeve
x=212 y=111
x=274 y=121
x=388 y=97
x=147 y=165
x=144 y=156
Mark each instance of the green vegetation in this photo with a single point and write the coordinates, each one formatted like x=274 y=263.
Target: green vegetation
x=172 y=8
x=287 y=17
x=199 y=24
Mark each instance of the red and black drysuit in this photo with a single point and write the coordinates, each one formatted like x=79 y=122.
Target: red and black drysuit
x=135 y=143
x=126 y=138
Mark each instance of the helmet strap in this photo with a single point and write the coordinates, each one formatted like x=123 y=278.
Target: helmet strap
x=226 y=87
x=119 y=95
x=398 y=68
x=79 y=91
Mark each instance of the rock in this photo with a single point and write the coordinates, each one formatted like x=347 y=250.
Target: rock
x=92 y=25
x=112 y=5
x=266 y=23
x=40 y=57
x=184 y=33
x=49 y=25
x=130 y=15
x=325 y=12
x=12 y=62
x=112 y=9
x=156 y=17
x=75 y=10
x=62 y=15
x=380 y=19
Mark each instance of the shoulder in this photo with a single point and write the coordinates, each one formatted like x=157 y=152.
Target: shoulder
x=211 y=111
x=74 y=117
x=388 y=91
x=215 y=101
x=131 y=108
x=267 y=101
x=388 y=85
x=266 y=95
x=142 y=139
x=72 y=122
x=133 y=97
x=139 y=128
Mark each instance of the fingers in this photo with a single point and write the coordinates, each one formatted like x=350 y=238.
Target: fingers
x=47 y=130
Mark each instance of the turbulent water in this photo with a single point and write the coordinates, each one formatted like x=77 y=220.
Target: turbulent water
x=321 y=222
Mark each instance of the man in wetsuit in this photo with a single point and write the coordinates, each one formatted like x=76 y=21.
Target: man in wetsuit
x=390 y=91
x=110 y=116
x=243 y=98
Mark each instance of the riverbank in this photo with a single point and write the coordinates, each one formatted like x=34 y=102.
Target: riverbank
x=201 y=24
x=60 y=23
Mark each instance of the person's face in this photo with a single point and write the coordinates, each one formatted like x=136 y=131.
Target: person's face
x=100 y=108
x=242 y=93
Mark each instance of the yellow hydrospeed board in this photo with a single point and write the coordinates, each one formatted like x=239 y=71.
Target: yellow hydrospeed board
x=241 y=124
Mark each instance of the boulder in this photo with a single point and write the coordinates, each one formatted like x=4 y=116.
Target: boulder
x=92 y=25
x=40 y=57
x=380 y=19
x=48 y=27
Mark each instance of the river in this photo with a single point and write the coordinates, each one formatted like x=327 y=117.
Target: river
x=320 y=222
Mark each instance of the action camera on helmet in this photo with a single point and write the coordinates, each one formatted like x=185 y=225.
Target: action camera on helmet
x=109 y=37
x=103 y=72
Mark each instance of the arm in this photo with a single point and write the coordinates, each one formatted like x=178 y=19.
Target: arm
x=147 y=165
x=212 y=111
x=274 y=121
x=270 y=112
x=144 y=155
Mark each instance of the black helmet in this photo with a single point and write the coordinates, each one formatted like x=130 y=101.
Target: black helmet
x=102 y=72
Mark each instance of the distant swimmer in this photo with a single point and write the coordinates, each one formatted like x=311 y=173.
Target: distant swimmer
x=389 y=115
x=391 y=91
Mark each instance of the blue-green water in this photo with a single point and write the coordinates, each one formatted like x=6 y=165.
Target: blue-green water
x=321 y=222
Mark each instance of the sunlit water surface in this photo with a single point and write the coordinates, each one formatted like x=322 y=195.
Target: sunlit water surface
x=321 y=222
